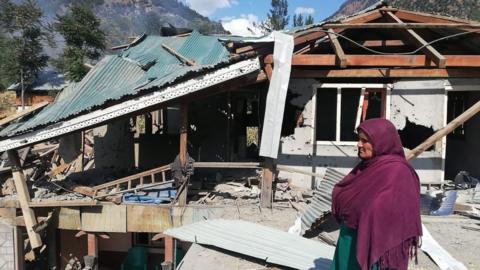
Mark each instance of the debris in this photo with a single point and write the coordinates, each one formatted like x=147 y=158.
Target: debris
x=446 y=207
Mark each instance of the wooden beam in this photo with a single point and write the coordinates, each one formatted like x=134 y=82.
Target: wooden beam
x=361 y=60
x=341 y=59
x=383 y=43
x=462 y=118
x=183 y=152
x=386 y=73
x=19 y=248
x=92 y=248
x=169 y=249
x=362 y=18
x=428 y=18
x=11 y=118
x=431 y=52
x=399 y=25
x=268 y=174
x=182 y=58
x=24 y=198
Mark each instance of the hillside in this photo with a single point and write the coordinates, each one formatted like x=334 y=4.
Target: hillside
x=466 y=9
x=124 y=18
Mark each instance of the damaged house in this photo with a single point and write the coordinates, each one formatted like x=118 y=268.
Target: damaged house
x=132 y=150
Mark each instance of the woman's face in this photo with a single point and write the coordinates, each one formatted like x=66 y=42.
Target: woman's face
x=365 y=148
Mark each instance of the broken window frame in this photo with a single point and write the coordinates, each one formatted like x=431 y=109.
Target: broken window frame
x=461 y=101
x=385 y=89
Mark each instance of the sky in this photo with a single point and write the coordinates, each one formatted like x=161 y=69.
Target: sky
x=239 y=16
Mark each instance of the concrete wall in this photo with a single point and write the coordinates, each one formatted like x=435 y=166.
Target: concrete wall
x=421 y=102
x=114 y=146
x=7 y=249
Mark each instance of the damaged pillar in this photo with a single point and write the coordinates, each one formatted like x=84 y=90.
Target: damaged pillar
x=268 y=174
x=92 y=252
x=24 y=199
x=183 y=153
x=169 y=253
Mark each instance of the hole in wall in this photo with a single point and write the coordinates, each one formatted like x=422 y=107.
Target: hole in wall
x=413 y=135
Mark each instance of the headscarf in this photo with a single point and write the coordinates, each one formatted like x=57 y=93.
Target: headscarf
x=380 y=198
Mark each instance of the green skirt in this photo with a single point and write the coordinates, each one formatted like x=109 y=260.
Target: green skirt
x=346 y=252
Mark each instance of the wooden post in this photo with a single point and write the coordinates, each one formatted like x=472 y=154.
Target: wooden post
x=52 y=247
x=24 y=199
x=82 y=150
x=92 y=248
x=183 y=153
x=462 y=118
x=267 y=180
x=168 y=249
x=136 y=142
x=19 y=249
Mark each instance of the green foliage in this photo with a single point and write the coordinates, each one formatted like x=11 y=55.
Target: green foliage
x=84 y=40
x=278 y=16
x=22 y=38
x=309 y=20
x=297 y=20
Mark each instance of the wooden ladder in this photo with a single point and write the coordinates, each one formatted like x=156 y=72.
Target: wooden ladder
x=133 y=183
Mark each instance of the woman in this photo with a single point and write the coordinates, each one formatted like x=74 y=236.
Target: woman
x=377 y=204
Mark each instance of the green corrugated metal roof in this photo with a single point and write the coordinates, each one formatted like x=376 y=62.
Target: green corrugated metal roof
x=143 y=66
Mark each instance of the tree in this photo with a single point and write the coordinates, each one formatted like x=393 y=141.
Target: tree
x=309 y=20
x=84 y=40
x=297 y=20
x=23 y=36
x=278 y=17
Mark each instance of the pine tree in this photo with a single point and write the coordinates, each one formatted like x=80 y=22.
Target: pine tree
x=278 y=17
x=309 y=20
x=84 y=40
x=23 y=36
x=297 y=20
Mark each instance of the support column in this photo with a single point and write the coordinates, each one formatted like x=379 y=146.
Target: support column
x=24 y=199
x=19 y=248
x=183 y=153
x=52 y=247
x=169 y=249
x=268 y=175
x=92 y=248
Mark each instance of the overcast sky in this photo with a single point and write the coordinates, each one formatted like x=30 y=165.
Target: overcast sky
x=238 y=15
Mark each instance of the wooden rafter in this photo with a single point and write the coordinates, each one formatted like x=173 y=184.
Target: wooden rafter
x=380 y=43
x=339 y=53
x=381 y=60
x=431 y=52
x=387 y=73
x=428 y=18
x=401 y=25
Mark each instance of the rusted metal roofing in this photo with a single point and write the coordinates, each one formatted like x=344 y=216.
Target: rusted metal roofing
x=258 y=241
x=140 y=68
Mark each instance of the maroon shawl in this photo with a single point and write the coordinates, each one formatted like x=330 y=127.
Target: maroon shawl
x=380 y=198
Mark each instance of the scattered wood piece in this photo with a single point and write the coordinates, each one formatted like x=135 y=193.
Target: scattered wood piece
x=23 y=113
x=178 y=55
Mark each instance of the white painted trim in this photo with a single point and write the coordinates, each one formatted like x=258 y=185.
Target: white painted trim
x=360 y=109
x=314 y=116
x=338 y=143
x=353 y=85
x=132 y=105
x=339 y=114
x=444 y=139
x=388 y=105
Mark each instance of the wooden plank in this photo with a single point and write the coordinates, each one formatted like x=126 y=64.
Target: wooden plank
x=183 y=151
x=399 y=25
x=11 y=118
x=231 y=165
x=178 y=55
x=386 y=73
x=132 y=177
x=148 y=218
x=106 y=218
x=153 y=184
x=462 y=118
x=383 y=43
x=19 y=248
x=428 y=18
x=362 y=18
x=431 y=52
x=361 y=60
x=169 y=249
x=24 y=199
x=268 y=176
x=69 y=218
x=56 y=203
x=92 y=248
x=341 y=59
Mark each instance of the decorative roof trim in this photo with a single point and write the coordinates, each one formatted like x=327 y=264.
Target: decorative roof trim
x=133 y=105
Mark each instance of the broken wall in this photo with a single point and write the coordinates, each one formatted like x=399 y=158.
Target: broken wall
x=416 y=108
x=7 y=247
x=113 y=146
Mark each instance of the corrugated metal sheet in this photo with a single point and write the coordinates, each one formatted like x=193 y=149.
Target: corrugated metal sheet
x=321 y=204
x=139 y=68
x=258 y=241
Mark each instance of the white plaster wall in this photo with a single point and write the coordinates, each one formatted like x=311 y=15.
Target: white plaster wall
x=421 y=101
x=7 y=248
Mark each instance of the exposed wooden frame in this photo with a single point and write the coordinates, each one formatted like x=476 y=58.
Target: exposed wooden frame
x=386 y=73
x=428 y=18
x=399 y=25
x=24 y=199
x=339 y=53
x=383 y=43
x=268 y=174
x=431 y=52
x=183 y=151
x=361 y=60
